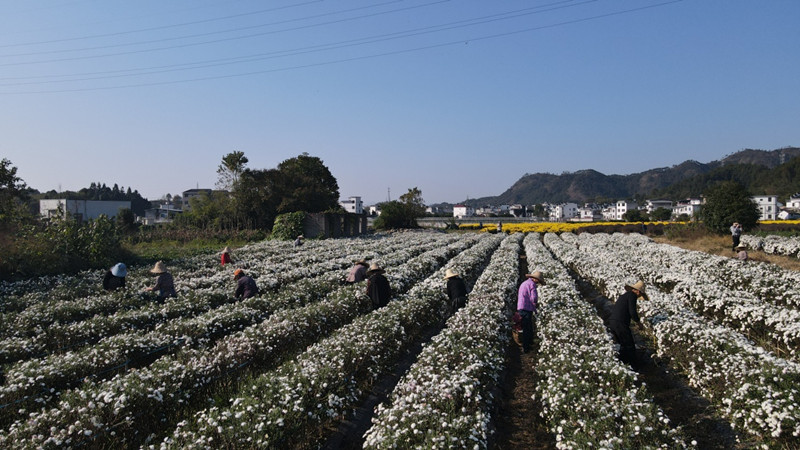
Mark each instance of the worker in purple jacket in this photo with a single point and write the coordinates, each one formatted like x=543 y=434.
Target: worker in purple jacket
x=527 y=304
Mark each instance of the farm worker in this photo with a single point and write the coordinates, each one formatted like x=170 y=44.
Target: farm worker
x=620 y=321
x=299 y=241
x=527 y=305
x=378 y=288
x=165 y=285
x=358 y=272
x=456 y=290
x=742 y=255
x=245 y=285
x=115 y=277
x=226 y=256
x=499 y=227
x=736 y=233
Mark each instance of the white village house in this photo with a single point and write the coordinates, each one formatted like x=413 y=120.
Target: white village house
x=352 y=205
x=652 y=205
x=563 y=211
x=768 y=206
x=690 y=207
x=80 y=209
x=624 y=206
x=461 y=211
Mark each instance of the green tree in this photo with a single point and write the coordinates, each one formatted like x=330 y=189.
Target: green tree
x=661 y=214
x=12 y=190
x=257 y=197
x=634 y=215
x=307 y=185
x=402 y=213
x=231 y=169
x=726 y=203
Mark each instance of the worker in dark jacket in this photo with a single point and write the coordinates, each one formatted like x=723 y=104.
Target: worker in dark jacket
x=245 y=285
x=165 y=284
x=115 y=277
x=623 y=311
x=456 y=291
x=378 y=288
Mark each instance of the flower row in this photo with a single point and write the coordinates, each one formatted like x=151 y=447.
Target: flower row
x=290 y=406
x=445 y=400
x=773 y=244
x=589 y=398
x=775 y=326
x=121 y=408
x=38 y=381
x=755 y=390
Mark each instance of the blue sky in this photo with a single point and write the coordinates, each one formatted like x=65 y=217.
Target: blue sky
x=457 y=98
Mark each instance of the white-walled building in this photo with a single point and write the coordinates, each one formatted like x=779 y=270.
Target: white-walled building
x=768 y=206
x=461 y=211
x=624 y=206
x=162 y=214
x=80 y=209
x=352 y=205
x=517 y=210
x=609 y=213
x=793 y=202
x=652 y=205
x=564 y=211
x=590 y=213
x=690 y=207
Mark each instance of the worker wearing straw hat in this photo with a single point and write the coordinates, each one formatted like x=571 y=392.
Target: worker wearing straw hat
x=378 y=288
x=623 y=311
x=358 y=272
x=456 y=290
x=527 y=304
x=165 y=285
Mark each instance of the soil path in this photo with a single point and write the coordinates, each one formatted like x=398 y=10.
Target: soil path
x=518 y=420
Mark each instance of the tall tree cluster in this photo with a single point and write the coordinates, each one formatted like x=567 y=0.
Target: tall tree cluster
x=257 y=196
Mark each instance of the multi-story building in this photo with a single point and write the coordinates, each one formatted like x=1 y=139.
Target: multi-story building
x=768 y=206
x=461 y=211
x=352 y=205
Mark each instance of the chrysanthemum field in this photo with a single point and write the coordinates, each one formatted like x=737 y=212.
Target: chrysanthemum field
x=85 y=368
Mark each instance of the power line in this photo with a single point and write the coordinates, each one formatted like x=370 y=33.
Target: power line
x=163 y=27
x=307 y=49
x=363 y=57
x=231 y=30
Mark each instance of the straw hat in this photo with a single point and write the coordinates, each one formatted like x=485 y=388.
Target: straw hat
x=742 y=246
x=362 y=261
x=375 y=268
x=159 y=268
x=119 y=270
x=639 y=286
x=226 y=249
x=538 y=276
x=449 y=273
x=237 y=272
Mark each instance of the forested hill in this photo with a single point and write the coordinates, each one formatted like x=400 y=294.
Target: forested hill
x=760 y=171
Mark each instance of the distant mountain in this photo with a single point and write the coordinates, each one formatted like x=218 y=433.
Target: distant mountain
x=689 y=178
